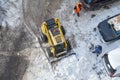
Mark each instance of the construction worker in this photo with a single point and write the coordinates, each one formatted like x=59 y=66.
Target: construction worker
x=97 y=50
x=77 y=8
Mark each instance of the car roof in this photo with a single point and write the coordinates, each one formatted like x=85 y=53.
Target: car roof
x=106 y=31
x=114 y=57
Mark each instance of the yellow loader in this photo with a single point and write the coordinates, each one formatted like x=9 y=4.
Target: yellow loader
x=54 y=34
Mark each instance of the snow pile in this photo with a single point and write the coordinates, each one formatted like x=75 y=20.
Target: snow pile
x=10 y=11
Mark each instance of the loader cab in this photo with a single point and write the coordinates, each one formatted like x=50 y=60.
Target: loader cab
x=59 y=44
x=55 y=35
x=55 y=31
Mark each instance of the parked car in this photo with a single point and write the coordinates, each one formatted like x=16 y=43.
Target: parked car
x=111 y=62
x=110 y=28
x=94 y=4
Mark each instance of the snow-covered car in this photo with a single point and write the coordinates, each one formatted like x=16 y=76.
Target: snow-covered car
x=111 y=61
x=94 y=4
x=110 y=28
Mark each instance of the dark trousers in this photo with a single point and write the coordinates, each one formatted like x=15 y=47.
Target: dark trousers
x=78 y=14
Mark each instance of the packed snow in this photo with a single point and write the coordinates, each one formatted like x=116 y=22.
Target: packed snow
x=88 y=66
x=85 y=65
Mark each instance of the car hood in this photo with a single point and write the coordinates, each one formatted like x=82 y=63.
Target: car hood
x=106 y=31
x=114 y=58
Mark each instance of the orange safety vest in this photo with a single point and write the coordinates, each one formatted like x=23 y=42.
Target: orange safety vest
x=78 y=7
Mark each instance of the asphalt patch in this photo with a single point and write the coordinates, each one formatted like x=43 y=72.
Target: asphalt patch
x=15 y=68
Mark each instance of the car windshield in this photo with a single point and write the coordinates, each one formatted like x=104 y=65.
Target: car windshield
x=116 y=31
x=115 y=24
x=88 y=1
x=108 y=65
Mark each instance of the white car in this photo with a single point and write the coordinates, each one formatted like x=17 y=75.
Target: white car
x=111 y=61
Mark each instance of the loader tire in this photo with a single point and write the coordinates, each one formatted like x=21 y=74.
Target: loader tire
x=43 y=38
x=69 y=45
x=63 y=30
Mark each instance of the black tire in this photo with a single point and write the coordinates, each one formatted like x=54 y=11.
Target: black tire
x=43 y=38
x=69 y=46
x=63 y=30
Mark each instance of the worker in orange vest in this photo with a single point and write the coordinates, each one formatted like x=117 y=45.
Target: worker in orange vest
x=77 y=8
